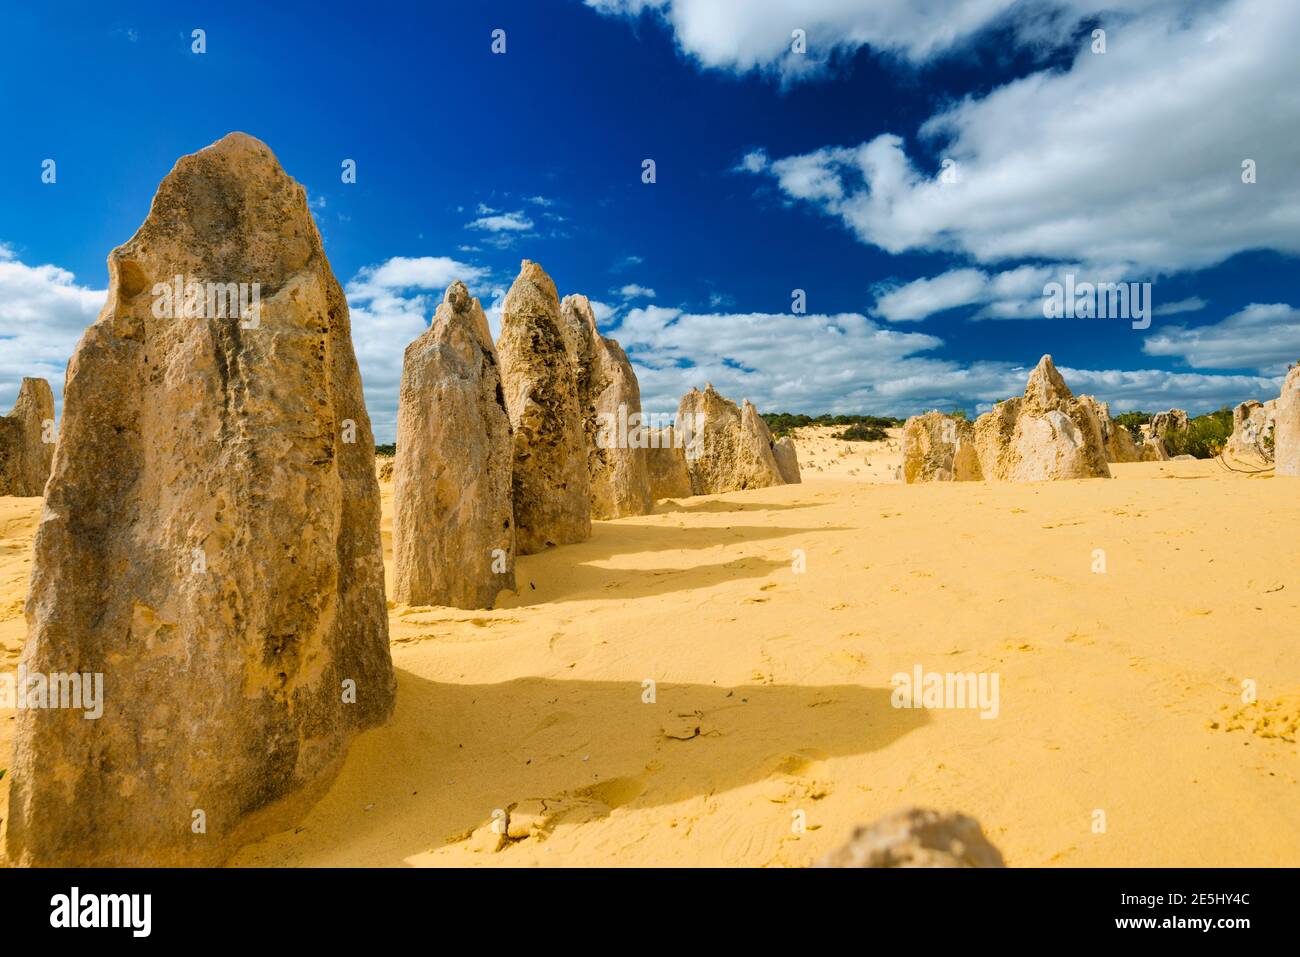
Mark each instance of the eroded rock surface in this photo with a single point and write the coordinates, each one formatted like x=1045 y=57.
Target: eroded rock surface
x=939 y=448
x=728 y=449
x=609 y=400
x=551 y=488
x=917 y=837
x=453 y=520
x=666 y=460
x=1046 y=434
x=210 y=539
x=1286 y=429
x=27 y=440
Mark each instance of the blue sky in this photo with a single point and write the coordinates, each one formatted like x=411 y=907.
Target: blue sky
x=775 y=171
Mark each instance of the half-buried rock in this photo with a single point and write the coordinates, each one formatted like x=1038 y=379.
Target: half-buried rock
x=453 y=523
x=727 y=450
x=209 y=546
x=549 y=480
x=917 y=837
x=1043 y=435
x=939 y=448
x=609 y=401
x=27 y=440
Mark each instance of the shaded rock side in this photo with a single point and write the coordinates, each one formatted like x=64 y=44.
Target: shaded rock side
x=787 y=460
x=666 y=461
x=1286 y=428
x=27 y=440
x=917 y=837
x=609 y=399
x=550 y=484
x=939 y=448
x=453 y=520
x=209 y=543
x=1044 y=435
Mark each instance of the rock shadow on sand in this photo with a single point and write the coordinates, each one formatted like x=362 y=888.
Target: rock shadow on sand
x=579 y=750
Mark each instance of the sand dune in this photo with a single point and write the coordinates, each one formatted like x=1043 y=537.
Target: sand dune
x=1119 y=692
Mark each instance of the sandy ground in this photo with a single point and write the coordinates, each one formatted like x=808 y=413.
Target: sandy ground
x=1119 y=692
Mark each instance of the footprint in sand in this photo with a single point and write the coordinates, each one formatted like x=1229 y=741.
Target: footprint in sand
x=570 y=646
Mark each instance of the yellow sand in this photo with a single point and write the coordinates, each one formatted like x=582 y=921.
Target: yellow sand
x=1119 y=692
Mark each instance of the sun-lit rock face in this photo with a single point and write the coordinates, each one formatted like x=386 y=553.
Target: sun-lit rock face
x=1046 y=434
x=453 y=521
x=210 y=540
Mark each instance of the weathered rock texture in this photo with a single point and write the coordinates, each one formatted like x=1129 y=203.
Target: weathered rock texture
x=728 y=449
x=1043 y=435
x=609 y=400
x=551 y=489
x=25 y=455
x=1253 y=426
x=787 y=460
x=917 y=837
x=1286 y=428
x=453 y=521
x=209 y=543
x=939 y=448
x=1118 y=442
x=1162 y=423
x=666 y=460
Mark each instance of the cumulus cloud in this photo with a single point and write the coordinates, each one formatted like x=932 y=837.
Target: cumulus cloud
x=43 y=311
x=848 y=363
x=1263 y=336
x=745 y=35
x=1009 y=294
x=1133 y=156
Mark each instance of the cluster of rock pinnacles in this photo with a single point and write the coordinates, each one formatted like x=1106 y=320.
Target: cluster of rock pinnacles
x=210 y=537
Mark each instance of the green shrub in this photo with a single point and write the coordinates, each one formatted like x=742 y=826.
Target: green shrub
x=1204 y=437
x=783 y=423
x=389 y=449
x=1133 y=421
x=862 y=432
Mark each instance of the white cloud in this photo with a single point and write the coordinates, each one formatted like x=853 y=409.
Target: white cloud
x=744 y=35
x=1261 y=336
x=1191 y=304
x=1133 y=156
x=502 y=222
x=634 y=291
x=848 y=363
x=924 y=297
x=43 y=311
x=541 y=201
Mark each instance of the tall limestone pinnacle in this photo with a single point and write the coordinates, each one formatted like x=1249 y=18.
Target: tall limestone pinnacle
x=609 y=401
x=551 y=485
x=210 y=542
x=27 y=440
x=453 y=523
